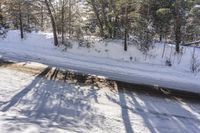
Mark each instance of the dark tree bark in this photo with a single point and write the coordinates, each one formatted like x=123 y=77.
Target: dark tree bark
x=70 y=19
x=53 y=23
x=161 y=34
x=42 y=17
x=21 y=22
x=115 y=23
x=178 y=25
x=98 y=18
x=105 y=19
x=63 y=21
x=126 y=27
x=1 y=15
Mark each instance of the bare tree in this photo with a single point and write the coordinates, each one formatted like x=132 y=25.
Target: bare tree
x=97 y=14
x=126 y=26
x=178 y=25
x=21 y=21
x=53 y=22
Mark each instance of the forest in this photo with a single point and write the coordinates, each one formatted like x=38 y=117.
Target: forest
x=139 y=22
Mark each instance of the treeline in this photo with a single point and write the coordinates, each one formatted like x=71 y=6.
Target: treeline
x=142 y=21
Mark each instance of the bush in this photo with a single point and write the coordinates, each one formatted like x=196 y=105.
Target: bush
x=68 y=45
x=84 y=43
x=195 y=64
x=168 y=62
x=3 y=31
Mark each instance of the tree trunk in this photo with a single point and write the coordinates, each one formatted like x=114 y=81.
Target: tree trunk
x=21 y=23
x=1 y=15
x=161 y=34
x=63 y=23
x=105 y=20
x=98 y=18
x=42 y=18
x=126 y=27
x=70 y=19
x=115 y=23
x=53 y=23
x=178 y=25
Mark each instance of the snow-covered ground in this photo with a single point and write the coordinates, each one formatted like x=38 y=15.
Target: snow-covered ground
x=32 y=103
x=107 y=58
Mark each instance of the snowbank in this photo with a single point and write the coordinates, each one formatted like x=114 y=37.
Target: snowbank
x=107 y=58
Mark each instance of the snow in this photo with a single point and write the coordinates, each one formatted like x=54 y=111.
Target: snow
x=32 y=103
x=197 y=6
x=107 y=58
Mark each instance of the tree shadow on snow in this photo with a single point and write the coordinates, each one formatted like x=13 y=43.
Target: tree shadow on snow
x=16 y=99
x=63 y=105
x=158 y=111
x=67 y=103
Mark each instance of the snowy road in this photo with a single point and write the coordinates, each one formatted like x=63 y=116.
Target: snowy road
x=38 y=102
